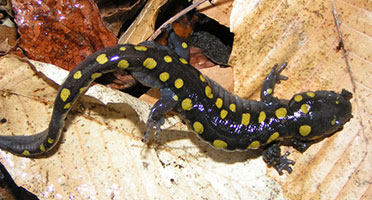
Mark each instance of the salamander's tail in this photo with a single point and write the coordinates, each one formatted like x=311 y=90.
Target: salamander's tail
x=24 y=145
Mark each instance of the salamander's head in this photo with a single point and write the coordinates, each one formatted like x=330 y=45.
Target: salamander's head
x=319 y=114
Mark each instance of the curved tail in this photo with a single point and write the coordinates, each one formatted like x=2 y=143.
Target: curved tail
x=94 y=66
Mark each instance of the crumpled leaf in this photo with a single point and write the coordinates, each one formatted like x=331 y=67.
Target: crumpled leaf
x=306 y=35
x=48 y=28
x=101 y=155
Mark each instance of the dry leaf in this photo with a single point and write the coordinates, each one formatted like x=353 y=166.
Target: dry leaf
x=305 y=34
x=62 y=32
x=101 y=155
x=144 y=24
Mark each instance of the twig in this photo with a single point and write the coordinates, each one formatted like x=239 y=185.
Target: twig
x=174 y=18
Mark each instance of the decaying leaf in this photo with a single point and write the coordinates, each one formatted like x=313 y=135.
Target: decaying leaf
x=101 y=155
x=48 y=28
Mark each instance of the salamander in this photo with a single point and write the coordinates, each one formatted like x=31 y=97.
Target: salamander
x=219 y=117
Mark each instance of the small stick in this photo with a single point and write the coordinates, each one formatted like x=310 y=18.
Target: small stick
x=174 y=18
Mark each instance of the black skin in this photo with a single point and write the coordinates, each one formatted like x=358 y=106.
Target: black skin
x=6 y=181
x=272 y=154
x=329 y=110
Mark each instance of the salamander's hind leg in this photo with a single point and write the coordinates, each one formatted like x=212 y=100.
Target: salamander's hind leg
x=272 y=157
x=268 y=86
x=166 y=103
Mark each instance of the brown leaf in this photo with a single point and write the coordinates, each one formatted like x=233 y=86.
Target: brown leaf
x=305 y=34
x=101 y=155
x=61 y=32
x=144 y=24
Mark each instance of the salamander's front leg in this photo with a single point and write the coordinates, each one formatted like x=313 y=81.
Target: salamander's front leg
x=166 y=103
x=272 y=157
x=268 y=86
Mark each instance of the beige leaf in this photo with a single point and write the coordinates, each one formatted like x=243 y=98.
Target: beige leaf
x=101 y=155
x=306 y=35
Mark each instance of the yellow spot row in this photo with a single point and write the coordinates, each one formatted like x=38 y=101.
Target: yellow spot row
x=65 y=93
x=223 y=145
x=140 y=48
x=208 y=92
x=281 y=113
x=186 y=104
x=304 y=130
x=223 y=113
x=273 y=137
x=219 y=103
x=183 y=61
x=198 y=127
x=164 y=76
x=178 y=83
x=95 y=75
x=305 y=108
x=102 y=59
x=149 y=63
x=261 y=117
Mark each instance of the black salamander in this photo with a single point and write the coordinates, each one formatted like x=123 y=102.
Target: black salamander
x=217 y=116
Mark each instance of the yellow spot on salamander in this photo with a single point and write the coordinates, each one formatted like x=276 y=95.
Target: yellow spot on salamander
x=184 y=45
x=281 y=113
x=208 y=92
x=67 y=106
x=333 y=122
x=183 y=61
x=219 y=144
x=82 y=90
x=123 y=64
x=42 y=148
x=50 y=140
x=202 y=78
x=178 y=83
x=298 y=98
x=232 y=107
x=305 y=130
x=77 y=75
x=261 y=117
x=337 y=102
x=219 y=102
x=310 y=94
x=315 y=137
x=223 y=113
x=254 y=145
x=168 y=59
x=140 y=48
x=102 y=59
x=96 y=75
x=26 y=153
x=246 y=118
x=149 y=63
x=186 y=104
x=305 y=108
x=65 y=93
x=122 y=48
x=175 y=97
x=269 y=91
x=273 y=137
x=164 y=76
x=198 y=127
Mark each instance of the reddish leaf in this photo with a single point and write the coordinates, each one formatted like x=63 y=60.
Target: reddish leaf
x=60 y=32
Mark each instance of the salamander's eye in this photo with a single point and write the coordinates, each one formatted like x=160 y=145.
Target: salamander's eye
x=318 y=114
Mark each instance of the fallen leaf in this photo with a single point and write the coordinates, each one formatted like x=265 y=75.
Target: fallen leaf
x=306 y=35
x=101 y=155
x=62 y=32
